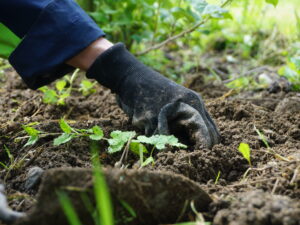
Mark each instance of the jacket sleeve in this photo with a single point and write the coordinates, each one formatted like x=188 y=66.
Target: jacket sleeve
x=52 y=31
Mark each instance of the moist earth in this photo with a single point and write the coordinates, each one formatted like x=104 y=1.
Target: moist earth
x=268 y=192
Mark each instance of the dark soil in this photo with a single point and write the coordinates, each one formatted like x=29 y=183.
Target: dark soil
x=266 y=193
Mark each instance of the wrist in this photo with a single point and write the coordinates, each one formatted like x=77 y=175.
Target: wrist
x=87 y=56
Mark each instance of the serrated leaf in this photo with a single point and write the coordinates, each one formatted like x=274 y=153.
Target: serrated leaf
x=64 y=126
x=119 y=138
x=60 y=85
x=148 y=161
x=136 y=146
x=64 y=138
x=32 y=140
x=273 y=2
x=160 y=141
x=244 y=148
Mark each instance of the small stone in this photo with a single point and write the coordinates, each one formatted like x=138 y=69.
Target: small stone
x=33 y=177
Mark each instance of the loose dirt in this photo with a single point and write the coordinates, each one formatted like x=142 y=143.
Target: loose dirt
x=266 y=193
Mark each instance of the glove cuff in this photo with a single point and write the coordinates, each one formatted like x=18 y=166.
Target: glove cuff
x=112 y=67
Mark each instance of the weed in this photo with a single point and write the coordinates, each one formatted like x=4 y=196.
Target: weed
x=61 y=93
x=118 y=139
x=95 y=133
x=270 y=150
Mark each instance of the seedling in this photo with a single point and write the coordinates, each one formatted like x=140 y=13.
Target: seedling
x=218 y=177
x=244 y=148
x=118 y=140
x=58 y=96
x=95 y=133
x=262 y=137
x=32 y=132
x=271 y=151
x=10 y=157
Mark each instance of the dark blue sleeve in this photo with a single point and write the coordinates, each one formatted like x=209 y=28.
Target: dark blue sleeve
x=52 y=31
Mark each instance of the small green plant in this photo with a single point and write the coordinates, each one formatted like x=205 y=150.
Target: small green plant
x=244 y=148
x=32 y=132
x=95 y=133
x=10 y=157
x=61 y=92
x=118 y=139
x=270 y=150
x=262 y=137
x=218 y=177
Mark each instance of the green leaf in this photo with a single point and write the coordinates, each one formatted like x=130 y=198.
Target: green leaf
x=3 y=165
x=8 y=41
x=50 y=96
x=198 y=5
x=135 y=147
x=60 y=85
x=64 y=138
x=68 y=208
x=262 y=137
x=62 y=98
x=64 y=126
x=119 y=138
x=246 y=152
x=148 y=161
x=273 y=2
x=98 y=133
x=32 y=140
x=86 y=87
x=101 y=190
x=215 y=11
x=160 y=141
x=30 y=130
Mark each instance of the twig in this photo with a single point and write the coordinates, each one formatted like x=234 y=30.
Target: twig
x=181 y=34
x=295 y=175
x=159 y=45
x=275 y=186
x=247 y=73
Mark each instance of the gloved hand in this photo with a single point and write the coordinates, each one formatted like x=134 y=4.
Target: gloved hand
x=153 y=102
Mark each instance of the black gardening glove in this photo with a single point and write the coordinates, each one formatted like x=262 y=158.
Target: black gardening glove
x=153 y=102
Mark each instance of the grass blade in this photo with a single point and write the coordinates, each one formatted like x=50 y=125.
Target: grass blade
x=68 y=208
x=102 y=195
